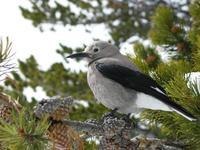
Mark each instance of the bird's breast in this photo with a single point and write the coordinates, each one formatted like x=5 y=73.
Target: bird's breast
x=108 y=92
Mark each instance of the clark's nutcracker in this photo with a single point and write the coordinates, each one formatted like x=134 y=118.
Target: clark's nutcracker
x=119 y=85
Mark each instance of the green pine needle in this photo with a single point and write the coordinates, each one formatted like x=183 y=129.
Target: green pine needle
x=24 y=133
x=5 y=50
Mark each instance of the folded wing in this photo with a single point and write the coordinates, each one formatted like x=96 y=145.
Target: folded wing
x=140 y=82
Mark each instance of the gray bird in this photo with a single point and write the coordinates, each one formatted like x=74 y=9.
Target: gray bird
x=119 y=85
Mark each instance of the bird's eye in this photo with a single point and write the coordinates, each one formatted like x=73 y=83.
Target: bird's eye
x=95 y=49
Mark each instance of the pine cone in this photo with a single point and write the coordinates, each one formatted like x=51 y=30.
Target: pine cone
x=60 y=113
x=180 y=46
x=116 y=143
x=56 y=108
x=7 y=100
x=113 y=126
x=116 y=134
x=149 y=59
x=64 y=136
x=5 y=113
x=175 y=29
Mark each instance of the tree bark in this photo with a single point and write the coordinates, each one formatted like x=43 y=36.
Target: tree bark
x=113 y=132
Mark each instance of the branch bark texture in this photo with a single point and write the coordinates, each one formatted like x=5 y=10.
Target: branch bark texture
x=113 y=132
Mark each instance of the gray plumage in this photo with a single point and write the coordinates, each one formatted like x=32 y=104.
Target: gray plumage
x=112 y=94
x=118 y=84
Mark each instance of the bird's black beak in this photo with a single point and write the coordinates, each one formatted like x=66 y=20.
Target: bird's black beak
x=79 y=55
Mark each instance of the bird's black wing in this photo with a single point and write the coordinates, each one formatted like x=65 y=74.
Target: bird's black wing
x=129 y=78
x=139 y=82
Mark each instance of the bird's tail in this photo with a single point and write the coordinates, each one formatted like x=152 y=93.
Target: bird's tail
x=179 y=109
x=174 y=106
x=185 y=114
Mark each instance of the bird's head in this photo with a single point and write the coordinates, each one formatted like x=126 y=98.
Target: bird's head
x=97 y=50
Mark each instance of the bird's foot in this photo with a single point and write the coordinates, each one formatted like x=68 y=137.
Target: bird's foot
x=127 y=118
x=109 y=114
x=112 y=113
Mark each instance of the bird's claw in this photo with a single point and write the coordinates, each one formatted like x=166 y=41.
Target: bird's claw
x=109 y=114
x=126 y=117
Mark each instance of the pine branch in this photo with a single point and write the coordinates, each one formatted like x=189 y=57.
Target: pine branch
x=154 y=143
x=91 y=128
x=113 y=131
x=138 y=142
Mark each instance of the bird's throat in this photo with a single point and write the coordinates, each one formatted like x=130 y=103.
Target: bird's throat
x=92 y=61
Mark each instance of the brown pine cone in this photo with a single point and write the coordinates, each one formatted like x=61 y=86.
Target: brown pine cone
x=5 y=113
x=64 y=136
x=149 y=59
x=57 y=108
x=180 y=46
x=175 y=29
x=60 y=113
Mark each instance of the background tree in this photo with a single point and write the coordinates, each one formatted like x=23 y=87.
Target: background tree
x=171 y=26
x=130 y=17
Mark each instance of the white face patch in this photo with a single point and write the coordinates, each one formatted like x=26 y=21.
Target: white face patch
x=88 y=48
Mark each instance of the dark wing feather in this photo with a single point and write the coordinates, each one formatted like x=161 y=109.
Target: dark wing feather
x=128 y=78
x=139 y=82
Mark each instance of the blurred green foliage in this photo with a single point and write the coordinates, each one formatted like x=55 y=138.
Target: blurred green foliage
x=122 y=18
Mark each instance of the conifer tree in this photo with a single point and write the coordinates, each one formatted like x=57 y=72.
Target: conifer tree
x=177 y=36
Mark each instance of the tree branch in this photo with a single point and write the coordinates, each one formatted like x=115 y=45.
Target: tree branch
x=91 y=128
x=138 y=142
x=113 y=131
